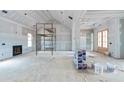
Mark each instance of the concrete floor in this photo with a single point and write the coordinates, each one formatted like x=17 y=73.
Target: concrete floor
x=57 y=68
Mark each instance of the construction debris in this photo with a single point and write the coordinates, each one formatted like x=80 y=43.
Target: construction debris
x=120 y=68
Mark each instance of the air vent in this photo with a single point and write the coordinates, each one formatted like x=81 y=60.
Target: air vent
x=70 y=17
x=4 y=11
x=25 y=14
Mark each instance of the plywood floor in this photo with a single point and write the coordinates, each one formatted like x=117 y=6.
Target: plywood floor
x=57 y=68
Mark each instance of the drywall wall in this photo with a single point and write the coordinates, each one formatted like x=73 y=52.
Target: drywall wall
x=121 y=28
x=75 y=36
x=39 y=46
x=76 y=29
x=113 y=36
x=14 y=34
x=63 y=38
x=86 y=39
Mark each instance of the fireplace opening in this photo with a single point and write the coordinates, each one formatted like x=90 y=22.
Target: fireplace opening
x=17 y=50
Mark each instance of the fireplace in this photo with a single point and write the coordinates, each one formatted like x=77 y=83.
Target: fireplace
x=17 y=50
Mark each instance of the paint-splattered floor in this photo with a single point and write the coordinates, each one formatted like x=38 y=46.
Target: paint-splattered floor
x=57 y=68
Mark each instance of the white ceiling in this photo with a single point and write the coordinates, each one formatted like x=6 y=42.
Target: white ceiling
x=19 y=16
x=35 y=16
x=95 y=17
x=88 y=19
x=61 y=16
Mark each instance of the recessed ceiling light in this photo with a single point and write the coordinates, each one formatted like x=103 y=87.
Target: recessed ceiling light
x=70 y=17
x=4 y=11
x=34 y=25
x=25 y=13
x=61 y=12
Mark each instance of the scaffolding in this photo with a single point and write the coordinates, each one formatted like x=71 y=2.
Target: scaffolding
x=45 y=37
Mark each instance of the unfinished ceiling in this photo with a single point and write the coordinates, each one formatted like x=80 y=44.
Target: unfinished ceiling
x=63 y=16
x=88 y=19
x=28 y=18
x=31 y=17
x=93 y=18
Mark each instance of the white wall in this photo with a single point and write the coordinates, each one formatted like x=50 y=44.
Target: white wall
x=86 y=39
x=11 y=34
x=76 y=29
x=63 y=38
x=75 y=36
x=113 y=36
x=121 y=29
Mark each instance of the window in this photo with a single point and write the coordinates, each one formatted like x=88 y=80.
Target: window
x=102 y=39
x=105 y=39
x=99 y=39
x=29 y=40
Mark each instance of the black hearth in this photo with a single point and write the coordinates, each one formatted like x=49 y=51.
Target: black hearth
x=17 y=49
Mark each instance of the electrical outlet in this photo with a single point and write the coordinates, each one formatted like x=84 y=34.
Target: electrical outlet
x=3 y=44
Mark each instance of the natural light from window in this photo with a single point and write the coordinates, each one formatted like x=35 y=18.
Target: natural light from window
x=105 y=39
x=29 y=40
x=102 y=39
x=99 y=39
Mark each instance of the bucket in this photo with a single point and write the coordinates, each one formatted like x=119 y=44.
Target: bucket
x=98 y=69
x=110 y=67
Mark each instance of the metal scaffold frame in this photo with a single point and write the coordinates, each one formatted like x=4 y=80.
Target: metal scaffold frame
x=51 y=32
